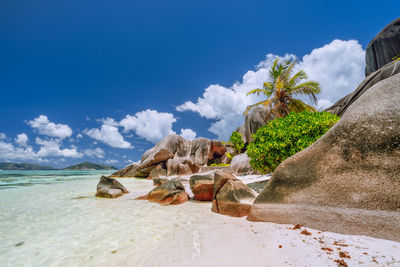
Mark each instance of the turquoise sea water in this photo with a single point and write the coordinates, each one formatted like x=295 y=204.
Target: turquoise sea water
x=52 y=218
x=15 y=179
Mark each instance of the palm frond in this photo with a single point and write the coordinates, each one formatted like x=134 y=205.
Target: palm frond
x=298 y=106
x=300 y=75
x=309 y=88
x=254 y=105
x=258 y=92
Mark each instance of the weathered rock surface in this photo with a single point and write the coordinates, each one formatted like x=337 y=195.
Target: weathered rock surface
x=383 y=48
x=110 y=188
x=242 y=130
x=176 y=167
x=202 y=186
x=128 y=171
x=217 y=150
x=159 y=181
x=340 y=107
x=168 y=193
x=252 y=122
x=235 y=199
x=231 y=196
x=178 y=157
x=240 y=165
x=157 y=172
x=349 y=180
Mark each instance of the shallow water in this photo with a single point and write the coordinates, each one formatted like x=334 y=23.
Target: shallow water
x=57 y=221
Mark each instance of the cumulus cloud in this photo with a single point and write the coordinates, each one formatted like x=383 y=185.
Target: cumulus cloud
x=188 y=134
x=51 y=148
x=21 y=139
x=9 y=152
x=108 y=121
x=109 y=135
x=98 y=152
x=45 y=127
x=111 y=161
x=338 y=66
x=3 y=136
x=149 y=124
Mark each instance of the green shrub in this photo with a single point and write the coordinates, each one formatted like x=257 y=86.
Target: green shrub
x=237 y=142
x=220 y=165
x=284 y=137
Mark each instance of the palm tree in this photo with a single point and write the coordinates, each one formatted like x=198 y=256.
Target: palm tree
x=282 y=87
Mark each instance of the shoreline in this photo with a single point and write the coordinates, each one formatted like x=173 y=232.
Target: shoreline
x=64 y=224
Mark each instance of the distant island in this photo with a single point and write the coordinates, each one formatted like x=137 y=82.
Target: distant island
x=23 y=166
x=8 y=166
x=90 y=166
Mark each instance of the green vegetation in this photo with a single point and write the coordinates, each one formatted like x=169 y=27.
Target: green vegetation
x=220 y=165
x=396 y=58
x=282 y=87
x=284 y=137
x=22 y=166
x=90 y=166
x=237 y=142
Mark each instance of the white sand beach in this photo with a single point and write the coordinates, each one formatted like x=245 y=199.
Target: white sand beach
x=63 y=224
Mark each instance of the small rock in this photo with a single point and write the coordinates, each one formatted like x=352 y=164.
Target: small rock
x=110 y=188
x=19 y=244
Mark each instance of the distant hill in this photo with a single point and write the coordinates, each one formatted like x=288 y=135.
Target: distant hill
x=90 y=166
x=23 y=166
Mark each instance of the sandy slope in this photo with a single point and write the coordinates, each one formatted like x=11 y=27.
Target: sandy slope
x=209 y=239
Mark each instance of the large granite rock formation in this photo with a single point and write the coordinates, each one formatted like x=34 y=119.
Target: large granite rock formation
x=110 y=188
x=231 y=196
x=176 y=156
x=240 y=165
x=349 y=180
x=128 y=171
x=383 y=48
x=169 y=193
x=157 y=172
x=340 y=107
x=177 y=167
x=252 y=122
x=202 y=186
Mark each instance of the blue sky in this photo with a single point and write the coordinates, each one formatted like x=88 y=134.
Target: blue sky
x=104 y=80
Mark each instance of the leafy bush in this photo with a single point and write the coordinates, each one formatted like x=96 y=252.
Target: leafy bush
x=237 y=142
x=284 y=137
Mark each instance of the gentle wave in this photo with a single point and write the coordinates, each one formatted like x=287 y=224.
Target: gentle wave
x=15 y=179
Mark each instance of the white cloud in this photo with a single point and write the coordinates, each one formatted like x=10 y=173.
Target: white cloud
x=10 y=152
x=45 y=127
x=21 y=139
x=79 y=136
x=338 y=66
x=98 y=152
x=109 y=135
x=111 y=161
x=108 y=121
x=188 y=134
x=51 y=148
x=3 y=136
x=149 y=124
